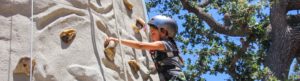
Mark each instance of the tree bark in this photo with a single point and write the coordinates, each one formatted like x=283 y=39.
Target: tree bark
x=280 y=54
x=293 y=5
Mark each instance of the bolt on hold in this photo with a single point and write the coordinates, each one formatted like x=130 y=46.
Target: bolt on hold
x=68 y=35
x=23 y=66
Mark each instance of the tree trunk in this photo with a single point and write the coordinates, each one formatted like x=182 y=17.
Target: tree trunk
x=281 y=52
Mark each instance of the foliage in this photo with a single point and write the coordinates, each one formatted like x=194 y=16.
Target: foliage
x=215 y=51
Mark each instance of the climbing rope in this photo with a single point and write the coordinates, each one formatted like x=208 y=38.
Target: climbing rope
x=147 y=29
x=124 y=62
x=147 y=19
x=119 y=38
x=9 y=58
x=31 y=41
x=94 y=41
x=31 y=44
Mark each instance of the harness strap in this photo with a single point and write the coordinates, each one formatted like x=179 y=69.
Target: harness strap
x=172 y=54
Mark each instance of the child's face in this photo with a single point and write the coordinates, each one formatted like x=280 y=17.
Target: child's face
x=154 y=34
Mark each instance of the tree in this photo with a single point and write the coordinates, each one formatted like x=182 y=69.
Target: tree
x=268 y=42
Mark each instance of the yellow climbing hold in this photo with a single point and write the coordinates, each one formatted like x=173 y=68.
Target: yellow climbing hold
x=135 y=28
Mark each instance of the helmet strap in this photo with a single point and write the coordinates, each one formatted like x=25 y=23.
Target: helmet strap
x=165 y=32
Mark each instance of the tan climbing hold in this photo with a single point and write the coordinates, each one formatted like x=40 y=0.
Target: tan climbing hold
x=110 y=53
x=134 y=66
x=110 y=50
x=128 y=4
x=68 y=35
x=23 y=66
x=140 y=24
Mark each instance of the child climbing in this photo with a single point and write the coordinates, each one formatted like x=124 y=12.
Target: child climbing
x=163 y=48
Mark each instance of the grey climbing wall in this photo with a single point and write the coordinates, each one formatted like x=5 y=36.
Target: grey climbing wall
x=83 y=56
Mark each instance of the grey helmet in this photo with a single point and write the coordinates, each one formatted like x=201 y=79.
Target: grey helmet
x=161 y=21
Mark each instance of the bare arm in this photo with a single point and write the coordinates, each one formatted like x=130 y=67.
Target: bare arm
x=158 y=45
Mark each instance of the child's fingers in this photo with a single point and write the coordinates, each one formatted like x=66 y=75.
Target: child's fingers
x=111 y=39
x=106 y=42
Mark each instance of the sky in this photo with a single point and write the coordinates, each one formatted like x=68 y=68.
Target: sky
x=218 y=77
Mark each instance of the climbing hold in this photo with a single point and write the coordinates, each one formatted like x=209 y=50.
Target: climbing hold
x=134 y=66
x=68 y=35
x=84 y=73
x=110 y=53
x=140 y=24
x=135 y=28
x=152 y=69
x=23 y=66
x=110 y=50
x=128 y=5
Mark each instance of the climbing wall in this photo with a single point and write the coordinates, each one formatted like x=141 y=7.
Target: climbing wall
x=64 y=40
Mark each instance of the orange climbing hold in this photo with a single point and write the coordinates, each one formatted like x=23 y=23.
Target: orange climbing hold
x=68 y=35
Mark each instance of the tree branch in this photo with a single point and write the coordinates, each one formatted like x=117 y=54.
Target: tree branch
x=204 y=3
x=213 y=24
x=293 y=20
x=232 y=66
x=293 y=5
x=280 y=34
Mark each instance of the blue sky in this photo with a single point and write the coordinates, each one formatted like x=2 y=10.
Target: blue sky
x=218 y=77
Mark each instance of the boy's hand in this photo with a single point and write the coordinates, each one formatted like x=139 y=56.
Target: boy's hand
x=108 y=40
x=111 y=39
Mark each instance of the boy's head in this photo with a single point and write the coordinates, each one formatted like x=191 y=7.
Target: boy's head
x=162 y=27
x=155 y=33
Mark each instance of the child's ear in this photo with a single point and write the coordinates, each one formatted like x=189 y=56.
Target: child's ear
x=164 y=31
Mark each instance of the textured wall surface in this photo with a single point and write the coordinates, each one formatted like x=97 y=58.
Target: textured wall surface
x=83 y=59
